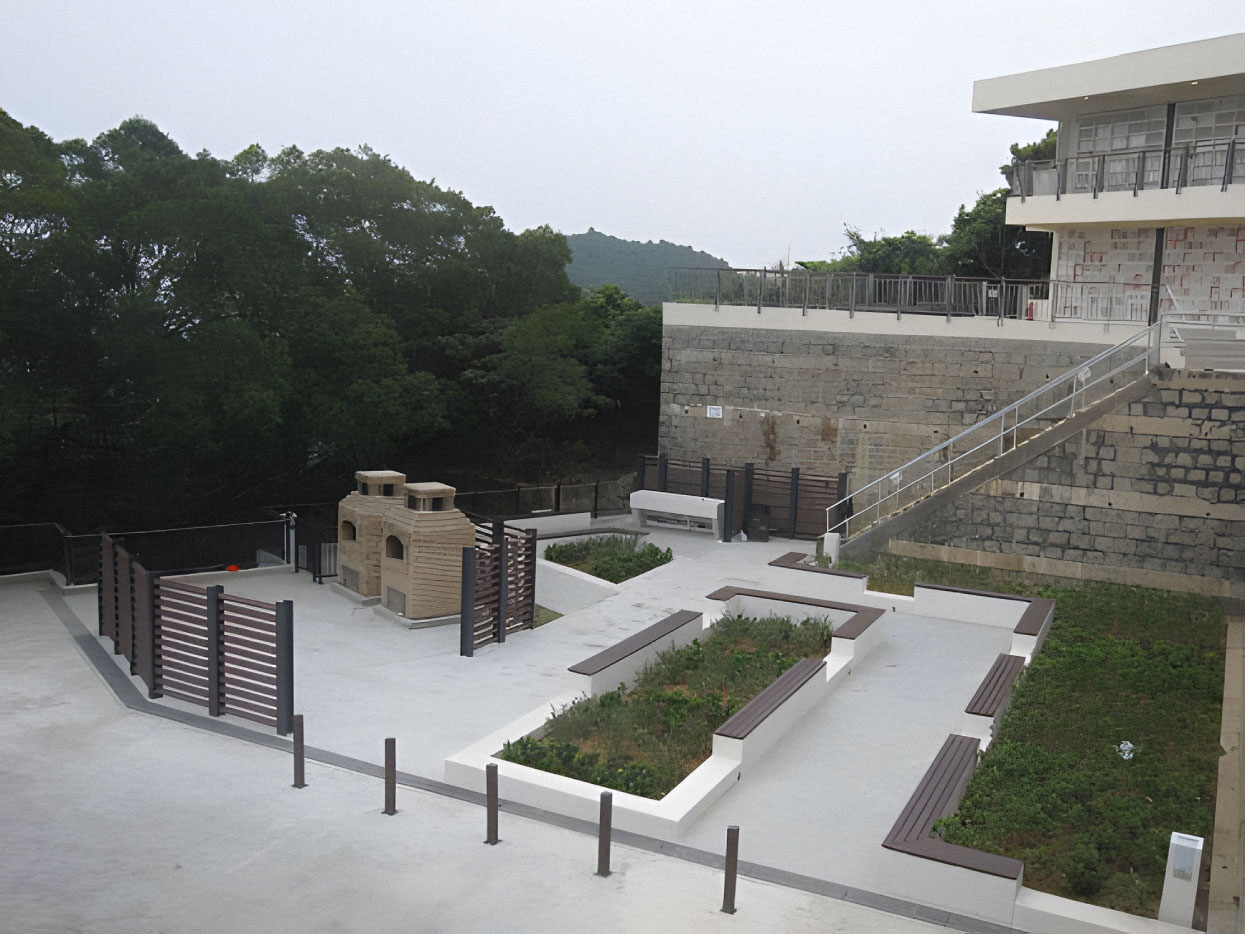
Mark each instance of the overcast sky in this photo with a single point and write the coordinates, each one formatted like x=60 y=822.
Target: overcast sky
x=748 y=130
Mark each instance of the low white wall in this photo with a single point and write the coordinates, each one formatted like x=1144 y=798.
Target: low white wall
x=625 y=670
x=968 y=607
x=745 y=605
x=565 y=590
x=952 y=888
x=754 y=746
x=557 y=522
x=1043 y=913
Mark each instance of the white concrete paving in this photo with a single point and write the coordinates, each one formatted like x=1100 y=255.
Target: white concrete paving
x=116 y=821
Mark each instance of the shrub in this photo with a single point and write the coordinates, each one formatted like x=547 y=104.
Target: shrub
x=646 y=739
x=612 y=558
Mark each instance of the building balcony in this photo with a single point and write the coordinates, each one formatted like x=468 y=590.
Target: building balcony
x=1193 y=184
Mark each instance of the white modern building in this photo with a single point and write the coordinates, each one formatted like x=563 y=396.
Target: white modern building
x=1146 y=195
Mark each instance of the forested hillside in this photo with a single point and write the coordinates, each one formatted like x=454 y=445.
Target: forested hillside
x=639 y=269
x=183 y=337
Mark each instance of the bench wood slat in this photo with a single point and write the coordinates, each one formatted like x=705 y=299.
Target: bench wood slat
x=996 y=686
x=633 y=643
x=752 y=714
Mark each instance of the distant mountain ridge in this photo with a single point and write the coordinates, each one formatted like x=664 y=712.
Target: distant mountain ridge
x=639 y=269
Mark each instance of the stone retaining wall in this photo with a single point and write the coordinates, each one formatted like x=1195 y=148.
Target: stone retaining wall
x=1158 y=488
x=830 y=401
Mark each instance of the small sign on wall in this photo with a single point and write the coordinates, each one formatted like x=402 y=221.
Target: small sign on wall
x=713 y=411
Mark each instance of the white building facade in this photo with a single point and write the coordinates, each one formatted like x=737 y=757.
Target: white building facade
x=1146 y=195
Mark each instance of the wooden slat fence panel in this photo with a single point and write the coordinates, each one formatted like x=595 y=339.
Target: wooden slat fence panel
x=494 y=584
x=771 y=489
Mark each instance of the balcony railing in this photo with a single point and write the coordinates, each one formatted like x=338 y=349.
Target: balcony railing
x=1221 y=163
x=949 y=296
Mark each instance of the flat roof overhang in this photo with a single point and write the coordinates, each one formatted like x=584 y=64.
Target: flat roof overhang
x=1189 y=71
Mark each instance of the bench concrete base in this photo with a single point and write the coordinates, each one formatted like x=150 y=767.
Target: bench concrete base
x=678 y=510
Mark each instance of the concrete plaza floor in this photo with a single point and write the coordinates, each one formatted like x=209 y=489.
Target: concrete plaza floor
x=818 y=806
x=117 y=821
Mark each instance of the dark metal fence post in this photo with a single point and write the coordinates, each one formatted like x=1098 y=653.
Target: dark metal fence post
x=641 y=468
x=145 y=632
x=749 y=469
x=732 y=869
x=391 y=776
x=794 y=503
x=299 y=753
x=215 y=673
x=846 y=510
x=663 y=466
x=557 y=497
x=728 y=518
x=467 y=607
x=490 y=796
x=604 y=830
x=285 y=666
x=503 y=582
x=704 y=476
x=596 y=498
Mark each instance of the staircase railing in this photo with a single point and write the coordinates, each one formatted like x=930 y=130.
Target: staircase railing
x=974 y=447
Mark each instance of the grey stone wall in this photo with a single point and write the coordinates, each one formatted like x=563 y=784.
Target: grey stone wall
x=827 y=402
x=1157 y=488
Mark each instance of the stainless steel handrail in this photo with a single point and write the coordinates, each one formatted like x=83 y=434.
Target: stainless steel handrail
x=1075 y=386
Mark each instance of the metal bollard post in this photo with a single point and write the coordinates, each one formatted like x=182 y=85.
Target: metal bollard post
x=605 y=827
x=299 y=753
x=391 y=776
x=732 y=869
x=490 y=794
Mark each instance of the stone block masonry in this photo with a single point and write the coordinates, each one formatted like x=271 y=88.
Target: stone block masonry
x=1157 y=488
x=827 y=401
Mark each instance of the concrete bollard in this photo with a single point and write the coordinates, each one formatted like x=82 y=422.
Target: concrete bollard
x=300 y=752
x=490 y=795
x=604 y=830
x=391 y=776
x=732 y=869
x=830 y=547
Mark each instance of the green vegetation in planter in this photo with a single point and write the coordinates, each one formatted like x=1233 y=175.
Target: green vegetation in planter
x=610 y=557
x=1120 y=664
x=648 y=738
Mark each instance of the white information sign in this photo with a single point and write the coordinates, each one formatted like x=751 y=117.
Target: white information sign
x=713 y=411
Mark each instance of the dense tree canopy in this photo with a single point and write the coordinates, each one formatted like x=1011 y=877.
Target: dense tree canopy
x=183 y=337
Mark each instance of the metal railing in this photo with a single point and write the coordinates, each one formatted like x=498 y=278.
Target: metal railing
x=979 y=444
x=1221 y=162
x=949 y=296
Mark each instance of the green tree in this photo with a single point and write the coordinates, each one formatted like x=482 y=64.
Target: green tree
x=982 y=244
x=1038 y=151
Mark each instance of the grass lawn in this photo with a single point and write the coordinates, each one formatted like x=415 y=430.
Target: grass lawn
x=1120 y=664
x=614 y=558
x=647 y=738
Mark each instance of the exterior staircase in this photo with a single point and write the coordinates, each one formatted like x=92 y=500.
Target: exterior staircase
x=992 y=447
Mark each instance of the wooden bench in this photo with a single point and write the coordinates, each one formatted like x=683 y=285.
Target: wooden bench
x=862 y=616
x=752 y=714
x=937 y=795
x=996 y=687
x=794 y=560
x=697 y=513
x=595 y=666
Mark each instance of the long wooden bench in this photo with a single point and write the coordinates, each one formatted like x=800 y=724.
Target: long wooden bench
x=937 y=795
x=794 y=560
x=996 y=687
x=752 y=714
x=863 y=616
x=595 y=664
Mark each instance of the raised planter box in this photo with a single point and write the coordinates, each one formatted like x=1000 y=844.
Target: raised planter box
x=621 y=662
x=747 y=735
